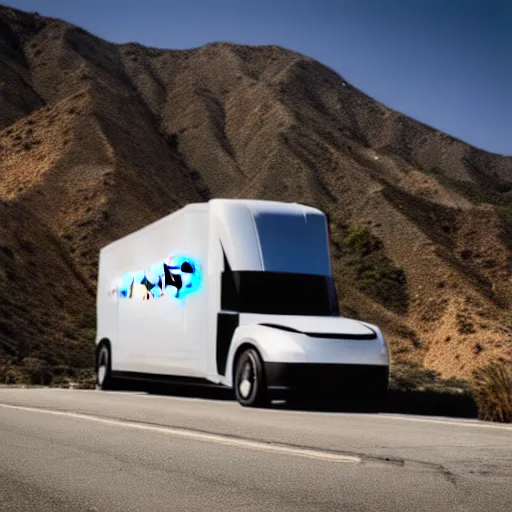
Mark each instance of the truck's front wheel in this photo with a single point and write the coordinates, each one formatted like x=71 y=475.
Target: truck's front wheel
x=250 y=385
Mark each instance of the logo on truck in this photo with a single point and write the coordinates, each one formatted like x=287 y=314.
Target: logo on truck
x=175 y=277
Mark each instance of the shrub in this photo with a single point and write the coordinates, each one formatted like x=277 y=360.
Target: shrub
x=83 y=378
x=360 y=241
x=36 y=371
x=413 y=377
x=4 y=368
x=60 y=381
x=362 y=258
x=492 y=390
x=86 y=379
x=14 y=375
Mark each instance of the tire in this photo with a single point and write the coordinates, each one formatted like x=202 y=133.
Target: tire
x=250 y=384
x=104 y=379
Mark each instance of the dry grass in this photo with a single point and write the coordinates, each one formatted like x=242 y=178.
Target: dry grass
x=492 y=390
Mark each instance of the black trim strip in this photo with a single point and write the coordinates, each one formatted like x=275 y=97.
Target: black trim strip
x=226 y=326
x=335 y=336
x=227 y=266
x=165 y=379
x=282 y=328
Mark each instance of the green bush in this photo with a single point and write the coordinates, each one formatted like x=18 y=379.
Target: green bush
x=64 y=376
x=492 y=390
x=414 y=377
x=36 y=371
x=60 y=381
x=14 y=375
x=360 y=255
x=32 y=371
x=85 y=378
x=361 y=242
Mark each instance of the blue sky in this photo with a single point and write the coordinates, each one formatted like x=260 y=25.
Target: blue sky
x=447 y=63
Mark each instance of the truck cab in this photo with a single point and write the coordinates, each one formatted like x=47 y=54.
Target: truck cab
x=279 y=329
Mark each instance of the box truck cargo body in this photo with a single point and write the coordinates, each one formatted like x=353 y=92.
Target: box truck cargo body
x=237 y=293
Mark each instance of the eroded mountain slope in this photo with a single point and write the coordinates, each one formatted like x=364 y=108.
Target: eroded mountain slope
x=97 y=140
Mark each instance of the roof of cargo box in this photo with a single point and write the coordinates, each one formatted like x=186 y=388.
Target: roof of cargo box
x=229 y=208
x=260 y=205
x=254 y=205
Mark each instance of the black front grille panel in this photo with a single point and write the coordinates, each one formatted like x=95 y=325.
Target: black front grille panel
x=320 y=378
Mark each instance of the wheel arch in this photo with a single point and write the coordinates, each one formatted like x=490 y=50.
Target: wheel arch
x=246 y=336
x=244 y=345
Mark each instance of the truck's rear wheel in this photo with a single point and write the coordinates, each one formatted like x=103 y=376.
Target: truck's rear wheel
x=104 y=379
x=250 y=385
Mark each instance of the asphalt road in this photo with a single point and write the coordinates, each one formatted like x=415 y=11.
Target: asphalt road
x=64 y=450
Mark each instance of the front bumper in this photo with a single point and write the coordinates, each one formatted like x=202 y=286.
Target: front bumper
x=327 y=380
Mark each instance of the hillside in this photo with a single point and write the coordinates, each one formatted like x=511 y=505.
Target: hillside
x=98 y=139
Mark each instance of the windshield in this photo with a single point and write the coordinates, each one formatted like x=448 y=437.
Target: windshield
x=292 y=242
x=278 y=293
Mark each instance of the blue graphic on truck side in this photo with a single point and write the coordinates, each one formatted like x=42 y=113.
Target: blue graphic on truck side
x=177 y=276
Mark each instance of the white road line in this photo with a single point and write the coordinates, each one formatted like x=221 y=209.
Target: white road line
x=200 y=436
x=447 y=422
x=444 y=421
x=383 y=416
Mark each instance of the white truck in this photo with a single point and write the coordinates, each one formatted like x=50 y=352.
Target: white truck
x=236 y=293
